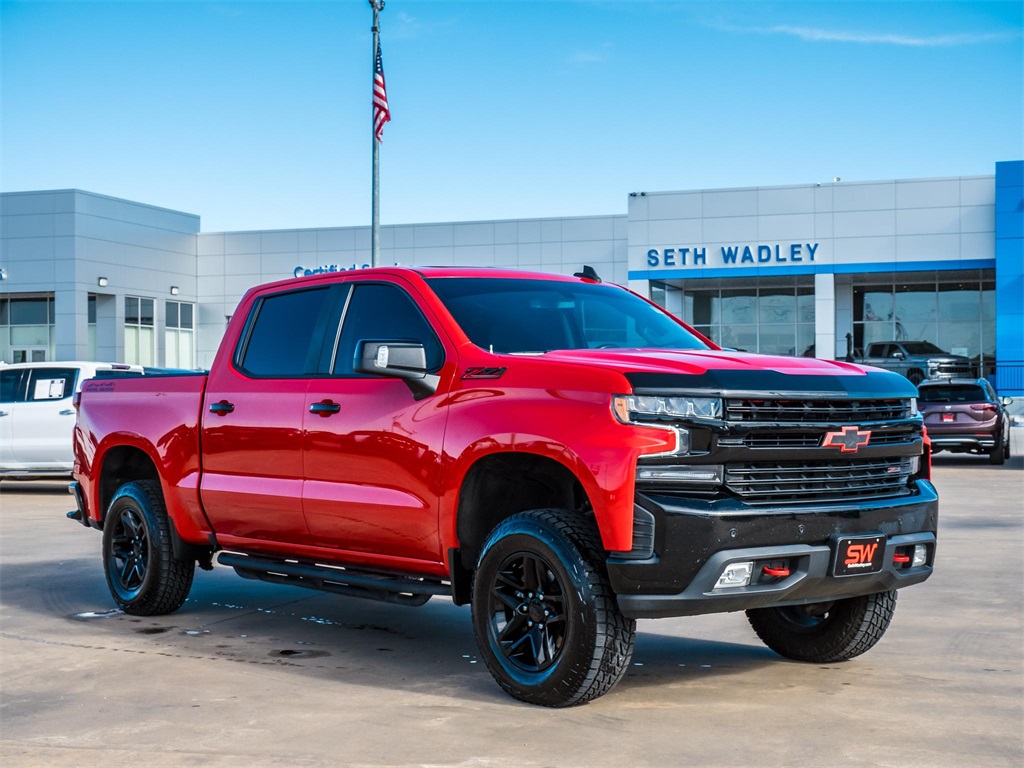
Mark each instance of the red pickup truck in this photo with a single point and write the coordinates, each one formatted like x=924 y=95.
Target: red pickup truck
x=559 y=453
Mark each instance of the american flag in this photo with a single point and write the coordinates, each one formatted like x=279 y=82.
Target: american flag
x=381 y=112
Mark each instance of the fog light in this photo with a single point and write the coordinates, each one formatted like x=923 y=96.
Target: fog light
x=735 y=575
x=920 y=555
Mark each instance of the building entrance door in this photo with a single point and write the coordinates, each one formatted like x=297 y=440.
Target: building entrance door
x=29 y=354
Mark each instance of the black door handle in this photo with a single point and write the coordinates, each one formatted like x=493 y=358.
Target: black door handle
x=222 y=408
x=324 y=409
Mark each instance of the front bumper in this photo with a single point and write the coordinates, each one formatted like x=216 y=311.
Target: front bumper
x=694 y=540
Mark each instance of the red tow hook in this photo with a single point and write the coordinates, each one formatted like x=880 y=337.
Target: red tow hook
x=776 y=572
x=901 y=559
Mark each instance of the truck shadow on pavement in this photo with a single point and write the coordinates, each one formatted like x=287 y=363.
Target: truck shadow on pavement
x=428 y=650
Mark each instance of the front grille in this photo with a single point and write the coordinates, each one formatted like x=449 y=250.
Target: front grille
x=811 y=482
x=954 y=370
x=812 y=439
x=773 y=411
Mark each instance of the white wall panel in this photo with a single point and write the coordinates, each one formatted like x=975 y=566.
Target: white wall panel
x=864 y=197
x=279 y=242
x=977 y=190
x=672 y=234
x=928 y=221
x=864 y=223
x=730 y=203
x=864 y=250
x=434 y=236
x=732 y=229
x=475 y=233
x=928 y=193
x=677 y=205
x=786 y=227
x=335 y=239
x=785 y=200
x=927 y=248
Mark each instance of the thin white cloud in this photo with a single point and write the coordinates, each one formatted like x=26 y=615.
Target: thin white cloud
x=816 y=35
x=598 y=56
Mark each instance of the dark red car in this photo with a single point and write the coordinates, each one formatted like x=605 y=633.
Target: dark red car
x=966 y=415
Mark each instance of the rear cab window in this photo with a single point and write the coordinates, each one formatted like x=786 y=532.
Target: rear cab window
x=284 y=333
x=952 y=393
x=36 y=385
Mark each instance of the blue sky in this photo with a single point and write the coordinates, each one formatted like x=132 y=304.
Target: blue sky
x=256 y=115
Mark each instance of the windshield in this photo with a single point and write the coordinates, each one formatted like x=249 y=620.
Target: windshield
x=532 y=316
x=922 y=348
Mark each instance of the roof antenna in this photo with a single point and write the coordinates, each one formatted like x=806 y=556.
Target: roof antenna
x=588 y=273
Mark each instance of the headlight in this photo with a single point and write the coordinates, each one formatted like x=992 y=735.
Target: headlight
x=913 y=407
x=638 y=409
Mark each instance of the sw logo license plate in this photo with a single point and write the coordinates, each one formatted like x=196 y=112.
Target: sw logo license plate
x=856 y=555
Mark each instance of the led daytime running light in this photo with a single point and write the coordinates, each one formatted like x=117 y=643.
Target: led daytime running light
x=638 y=409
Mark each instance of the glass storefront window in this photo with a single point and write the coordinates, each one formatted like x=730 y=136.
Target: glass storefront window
x=178 y=332
x=739 y=306
x=26 y=329
x=139 y=331
x=776 y=307
x=957 y=315
x=773 y=319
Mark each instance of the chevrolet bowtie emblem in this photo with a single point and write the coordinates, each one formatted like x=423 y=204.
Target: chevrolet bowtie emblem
x=847 y=440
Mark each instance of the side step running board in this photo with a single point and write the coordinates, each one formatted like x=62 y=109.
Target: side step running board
x=401 y=590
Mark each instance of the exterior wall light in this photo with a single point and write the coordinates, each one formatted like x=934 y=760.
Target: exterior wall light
x=175 y=290
x=102 y=282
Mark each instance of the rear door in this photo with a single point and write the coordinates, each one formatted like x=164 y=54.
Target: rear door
x=44 y=420
x=253 y=420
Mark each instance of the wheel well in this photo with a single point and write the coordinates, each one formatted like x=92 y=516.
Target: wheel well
x=121 y=465
x=502 y=485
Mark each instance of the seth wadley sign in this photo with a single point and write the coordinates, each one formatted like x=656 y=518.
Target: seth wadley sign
x=727 y=255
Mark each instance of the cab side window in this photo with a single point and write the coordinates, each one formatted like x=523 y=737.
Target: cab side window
x=285 y=333
x=382 y=312
x=51 y=384
x=12 y=389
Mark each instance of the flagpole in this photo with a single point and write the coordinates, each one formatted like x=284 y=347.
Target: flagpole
x=378 y=6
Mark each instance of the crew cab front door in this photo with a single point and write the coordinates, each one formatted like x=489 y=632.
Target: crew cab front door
x=372 y=451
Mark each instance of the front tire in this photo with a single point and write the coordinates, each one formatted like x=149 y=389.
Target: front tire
x=144 y=577
x=824 y=633
x=545 y=617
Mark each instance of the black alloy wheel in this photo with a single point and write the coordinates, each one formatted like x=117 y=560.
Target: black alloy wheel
x=144 y=576
x=129 y=551
x=544 y=614
x=526 y=612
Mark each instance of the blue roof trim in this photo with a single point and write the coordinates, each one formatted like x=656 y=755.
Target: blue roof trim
x=813 y=269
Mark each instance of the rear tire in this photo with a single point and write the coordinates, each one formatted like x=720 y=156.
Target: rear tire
x=144 y=577
x=916 y=376
x=824 y=633
x=545 y=617
x=998 y=454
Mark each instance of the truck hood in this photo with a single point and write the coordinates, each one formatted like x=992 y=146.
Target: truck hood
x=739 y=372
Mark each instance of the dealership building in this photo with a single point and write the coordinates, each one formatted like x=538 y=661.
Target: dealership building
x=817 y=269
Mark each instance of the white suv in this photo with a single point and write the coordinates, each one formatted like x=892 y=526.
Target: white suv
x=37 y=416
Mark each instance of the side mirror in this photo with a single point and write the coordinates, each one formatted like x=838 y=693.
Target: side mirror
x=898 y=355
x=1006 y=400
x=406 y=360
